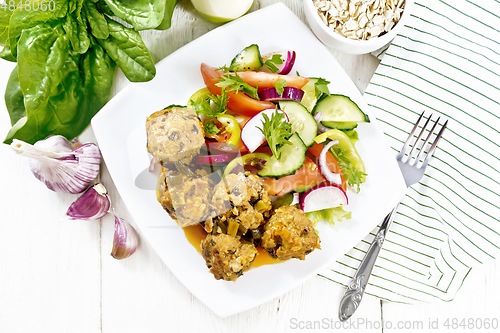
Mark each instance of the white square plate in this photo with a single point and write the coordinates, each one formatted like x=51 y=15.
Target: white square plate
x=120 y=131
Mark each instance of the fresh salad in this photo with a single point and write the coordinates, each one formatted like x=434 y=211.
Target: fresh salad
x=290 y=130
x=256 y=158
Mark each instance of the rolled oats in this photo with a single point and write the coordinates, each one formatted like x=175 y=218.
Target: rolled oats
x=360 y=19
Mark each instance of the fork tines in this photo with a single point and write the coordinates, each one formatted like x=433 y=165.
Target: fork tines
x=418 y=148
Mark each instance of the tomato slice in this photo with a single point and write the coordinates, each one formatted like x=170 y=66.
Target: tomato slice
x=330 y=160
x=264 y=80
x=238 y=102
x=303 y=179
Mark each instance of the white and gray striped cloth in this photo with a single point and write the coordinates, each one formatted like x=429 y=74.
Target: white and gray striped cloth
x=446 y=61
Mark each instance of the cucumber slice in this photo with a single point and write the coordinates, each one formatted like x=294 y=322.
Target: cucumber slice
x=292 y=158
x=303 y=123
x=338 y=109
x=247 y=60
x=341 y=125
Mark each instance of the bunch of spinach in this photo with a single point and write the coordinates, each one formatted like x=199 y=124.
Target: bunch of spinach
x=66 y=57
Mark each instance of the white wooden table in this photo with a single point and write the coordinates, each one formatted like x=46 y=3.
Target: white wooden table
x=58 y=276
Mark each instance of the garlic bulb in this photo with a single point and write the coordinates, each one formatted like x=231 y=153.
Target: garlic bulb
x=62 y=168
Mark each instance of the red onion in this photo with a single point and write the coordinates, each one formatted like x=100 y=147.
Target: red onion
x=323 y=166
x=210 y=159
x=288 y=58
x=321 y=128
x=289 y=94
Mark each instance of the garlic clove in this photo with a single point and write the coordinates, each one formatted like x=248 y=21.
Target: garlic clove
x=55 y=143
x=61 y=168
x=91 y=205
x=125 y=240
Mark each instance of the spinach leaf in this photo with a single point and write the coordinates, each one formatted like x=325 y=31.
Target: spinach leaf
x=126 y=47
x=14 y=99
x=4 y=25
x=141 y=14
x=77 y=34
x=167 y=16
x=97 y=21
x=97 y=70
x=50 y=81
x=6 y=54
x=103 y=8
x=23 y=19
x=60 y=7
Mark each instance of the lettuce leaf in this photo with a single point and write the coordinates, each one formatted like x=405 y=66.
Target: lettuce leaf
x=331 y=215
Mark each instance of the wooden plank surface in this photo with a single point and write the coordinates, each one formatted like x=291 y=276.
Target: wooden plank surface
x=58 y=276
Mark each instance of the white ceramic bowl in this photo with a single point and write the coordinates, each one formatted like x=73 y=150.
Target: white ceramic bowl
x=334 y=40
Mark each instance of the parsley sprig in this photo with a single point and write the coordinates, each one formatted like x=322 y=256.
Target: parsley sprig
x=352 y=175
x=277 y=131
x=211 y=128
x=272 y=62
x=280 y=85
x=211 y=106
x=233 y=82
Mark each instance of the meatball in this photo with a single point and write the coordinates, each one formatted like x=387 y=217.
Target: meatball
x=289 y=234
x=186 y=197
x=174 y=134
x=226 y=256
x=241 y=198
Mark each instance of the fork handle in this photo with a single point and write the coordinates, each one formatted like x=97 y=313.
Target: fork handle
x=356 y=288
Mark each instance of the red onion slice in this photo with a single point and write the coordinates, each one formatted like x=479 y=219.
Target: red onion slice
x=288 y=58
x=289 y=94
x=210 y=159
x=323 y=166
x=321 y=128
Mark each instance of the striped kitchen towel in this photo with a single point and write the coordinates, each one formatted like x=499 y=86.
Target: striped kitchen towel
x=446 y=60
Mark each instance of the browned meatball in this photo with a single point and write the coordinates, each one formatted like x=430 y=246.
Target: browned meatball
x=289 y=234
x=174 y=134
x=241 y=198
x=186 y=197
x=226 y=257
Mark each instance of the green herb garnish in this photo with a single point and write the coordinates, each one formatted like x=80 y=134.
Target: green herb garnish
x=211 y=128
x=277 y=131
x=321 y=86
x=212 y=106
x=280 y=86
x=353 y=176
x=235 y=83
x=271 y=63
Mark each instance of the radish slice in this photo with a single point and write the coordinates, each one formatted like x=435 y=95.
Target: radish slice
x=288 y=58
x=251 y=135
x=323 y=197
x=152 y=164
x=289 y=94
x=210 y=159
x=323 y=166
x=321 y=128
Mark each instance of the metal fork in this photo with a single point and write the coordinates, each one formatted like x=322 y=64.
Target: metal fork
x=412 y=170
